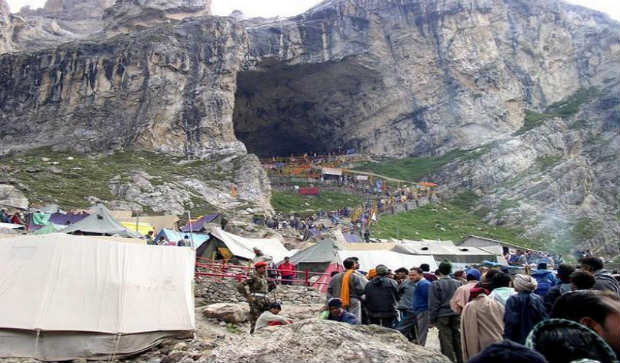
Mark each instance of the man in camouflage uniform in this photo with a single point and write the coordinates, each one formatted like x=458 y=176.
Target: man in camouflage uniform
x=255 y=290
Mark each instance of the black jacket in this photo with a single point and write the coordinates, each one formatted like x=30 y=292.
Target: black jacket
x=552 y=296
x=604 y=281
x=381 y=297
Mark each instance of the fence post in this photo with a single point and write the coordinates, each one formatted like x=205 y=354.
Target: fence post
x=306 y=277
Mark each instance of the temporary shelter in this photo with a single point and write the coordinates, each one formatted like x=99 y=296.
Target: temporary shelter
x=172 y=237
x=369 y=259
x=140 y=227
x=50 y=228
x=238 y=248
x=445 y=250
x=67 y=297
x=317 y=257
x=100 y=222
x=200 y=224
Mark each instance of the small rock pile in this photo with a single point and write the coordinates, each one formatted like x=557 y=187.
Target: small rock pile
x=214 y=291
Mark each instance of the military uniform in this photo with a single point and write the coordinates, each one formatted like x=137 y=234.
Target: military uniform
x=257 y=286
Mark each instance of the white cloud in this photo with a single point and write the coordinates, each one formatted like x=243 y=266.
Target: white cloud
x=15 y=5
x=611 y=7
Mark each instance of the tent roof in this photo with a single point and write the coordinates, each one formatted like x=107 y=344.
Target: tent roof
x=118 y=287
x=352 y=238
x=443 y=248
x=393 y=260
x=101 y=222
x=175 y=236
x=383 y=246
x=244 y=247
x=324 y=251
x=200 y=223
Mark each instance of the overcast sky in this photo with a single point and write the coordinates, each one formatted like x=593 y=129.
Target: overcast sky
x=268 y=8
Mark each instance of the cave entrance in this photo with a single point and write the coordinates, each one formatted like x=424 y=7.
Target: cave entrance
x=313 y=108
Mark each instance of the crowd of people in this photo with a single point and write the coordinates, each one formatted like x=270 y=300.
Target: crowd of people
x=481 y=314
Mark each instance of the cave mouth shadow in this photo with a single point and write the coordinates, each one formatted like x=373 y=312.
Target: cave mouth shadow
x=295 y=109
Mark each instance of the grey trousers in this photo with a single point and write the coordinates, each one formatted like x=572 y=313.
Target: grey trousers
x=450 y=337
x=422 y=327
x=355 y=308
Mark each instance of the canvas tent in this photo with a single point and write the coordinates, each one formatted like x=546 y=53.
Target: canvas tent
x=239 y=248
x=200 y=224
x=141 y=227
x=445 y=250
x=172 y=237
x=369 y=259
x=100 y=222
x=67 y=297
x=317 y=257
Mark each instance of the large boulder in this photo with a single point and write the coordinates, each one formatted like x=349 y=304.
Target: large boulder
x=11 y=197
x=324 y=341
x=230 y=313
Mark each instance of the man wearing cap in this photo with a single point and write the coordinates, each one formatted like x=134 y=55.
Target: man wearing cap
x=381 y=298
x=337 y=313
x=461 y=295
x=255 y=290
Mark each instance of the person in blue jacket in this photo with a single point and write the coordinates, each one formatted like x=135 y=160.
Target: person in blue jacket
x=337 y=313
x=523 y=310
x=545 y=279
x=420 y=304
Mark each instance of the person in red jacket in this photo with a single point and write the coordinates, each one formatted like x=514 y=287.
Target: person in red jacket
x=287 y=271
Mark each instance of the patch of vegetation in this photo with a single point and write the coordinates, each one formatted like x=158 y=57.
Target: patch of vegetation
x=466 y=200
x=586 y=228
x=506 y=204
x=67 y=178
x=290 y=202
x=415 y=169
x=233 y=329
x=445 y=222
x=564 y=109
x=545 y=162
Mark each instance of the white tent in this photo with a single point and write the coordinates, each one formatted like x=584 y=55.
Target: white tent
x=68 y=297
x=370 y=259
x=244 y=247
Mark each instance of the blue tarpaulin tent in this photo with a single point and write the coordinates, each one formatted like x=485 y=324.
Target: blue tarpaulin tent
x=174 y=237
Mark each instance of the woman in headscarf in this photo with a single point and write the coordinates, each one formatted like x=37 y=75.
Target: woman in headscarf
x=523 y=310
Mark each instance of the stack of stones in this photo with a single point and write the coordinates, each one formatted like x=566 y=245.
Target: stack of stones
x=214 y=291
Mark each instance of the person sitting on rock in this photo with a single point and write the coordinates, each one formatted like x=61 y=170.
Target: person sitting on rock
x=271 y=317
x=337 y=313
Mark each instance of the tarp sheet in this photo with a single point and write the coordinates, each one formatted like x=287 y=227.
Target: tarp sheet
x=41 y=219
x=309 y=191
x=50 y=228
x=199 y=224
x=244 y=247
x=11 y=226
x=59 y=282
x=100 y=222
x=393 y=260
x=324 y=251
x=352 y=238
x=143 y=228
x=174 y=237
x=69 y=218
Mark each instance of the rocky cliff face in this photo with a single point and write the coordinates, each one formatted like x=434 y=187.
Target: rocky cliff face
x=417 y=77
x=6 y=28
x=131 y=15
x=169 y=89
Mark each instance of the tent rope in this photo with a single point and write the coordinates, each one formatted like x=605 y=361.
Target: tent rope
x=36 y=342
x=115 y=351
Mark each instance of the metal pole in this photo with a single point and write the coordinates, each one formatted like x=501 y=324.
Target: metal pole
x=189 y=221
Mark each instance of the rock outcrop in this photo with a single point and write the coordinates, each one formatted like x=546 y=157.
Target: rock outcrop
x=325 y=341
x=168 y=89
x=131 y=15
x=12 y=198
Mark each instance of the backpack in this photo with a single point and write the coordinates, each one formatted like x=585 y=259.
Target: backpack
x=544 y=284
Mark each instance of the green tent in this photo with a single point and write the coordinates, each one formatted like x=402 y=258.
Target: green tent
x=100 y=222
x=50 y=228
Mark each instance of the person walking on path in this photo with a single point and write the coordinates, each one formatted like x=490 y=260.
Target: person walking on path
x=255 y=290
x=523 y=310
x=348 y=286
x=442 y=316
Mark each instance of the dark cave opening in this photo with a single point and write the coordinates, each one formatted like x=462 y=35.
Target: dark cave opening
x=311 y=108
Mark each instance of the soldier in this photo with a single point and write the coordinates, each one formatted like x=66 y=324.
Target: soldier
x=255 y=290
